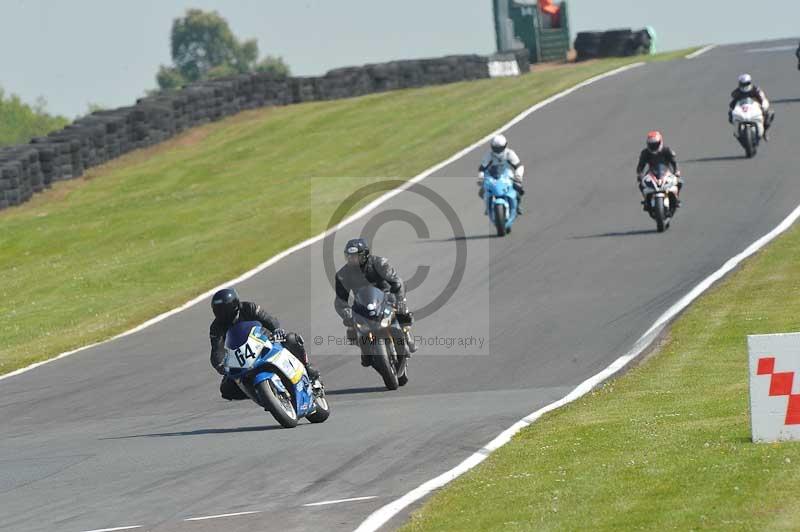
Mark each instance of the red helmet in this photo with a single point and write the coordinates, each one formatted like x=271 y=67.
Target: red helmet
x=654 y=141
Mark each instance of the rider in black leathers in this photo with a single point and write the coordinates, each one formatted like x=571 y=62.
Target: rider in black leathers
x=363 y=269
x=653 y=155
x=228 y=311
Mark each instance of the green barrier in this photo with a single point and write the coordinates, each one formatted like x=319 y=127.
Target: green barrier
x=520 y=23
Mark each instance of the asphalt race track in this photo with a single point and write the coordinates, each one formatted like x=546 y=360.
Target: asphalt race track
x=134 y=432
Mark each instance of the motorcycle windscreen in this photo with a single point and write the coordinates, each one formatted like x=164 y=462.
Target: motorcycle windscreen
x=369 y=302
x=661 y=170
x=244 y=343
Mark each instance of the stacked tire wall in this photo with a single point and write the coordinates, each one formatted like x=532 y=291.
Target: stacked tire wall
x=613 y=43
x=105 y=135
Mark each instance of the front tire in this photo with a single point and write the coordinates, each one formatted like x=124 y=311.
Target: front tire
x=382 y=364
x=277 y=404
x=750 y=142
x=500 y=219
x=659 y=214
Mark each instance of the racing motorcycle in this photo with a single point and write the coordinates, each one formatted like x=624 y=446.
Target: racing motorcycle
x=381 y=335
x=272 y=376
x=748 y=123
x=501 y=198
x=661 y=193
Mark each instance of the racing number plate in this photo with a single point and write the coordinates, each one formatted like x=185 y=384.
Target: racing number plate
x=245 y=355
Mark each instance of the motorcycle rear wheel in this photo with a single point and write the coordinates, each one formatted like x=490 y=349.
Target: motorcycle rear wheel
x=322 y=412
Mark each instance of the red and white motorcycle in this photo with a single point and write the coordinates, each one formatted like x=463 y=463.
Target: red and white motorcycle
x=660 y=187
x=748 y=122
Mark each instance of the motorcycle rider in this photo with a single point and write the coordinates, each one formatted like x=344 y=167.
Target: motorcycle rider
x=228 y=311
x=363 y=269
x=653 y=155
x=748 y=89
x=797 y=53
x=499 y=156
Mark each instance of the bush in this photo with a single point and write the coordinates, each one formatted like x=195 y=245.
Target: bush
x=19 y=122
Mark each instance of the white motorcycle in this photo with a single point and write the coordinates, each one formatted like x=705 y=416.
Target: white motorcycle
x=748 y=123
x=660 y=187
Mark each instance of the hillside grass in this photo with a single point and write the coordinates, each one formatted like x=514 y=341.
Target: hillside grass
x=664 y=447
x=19 y=122
x=93 y=257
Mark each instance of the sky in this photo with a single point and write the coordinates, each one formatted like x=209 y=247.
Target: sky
x=107 y=52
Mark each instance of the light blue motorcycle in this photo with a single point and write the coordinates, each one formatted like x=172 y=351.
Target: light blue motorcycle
x=501 y=198
x=272 y=376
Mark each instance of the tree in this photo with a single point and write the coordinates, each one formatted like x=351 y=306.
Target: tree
x=273 y=65
x=203 y=46
x=169 y=78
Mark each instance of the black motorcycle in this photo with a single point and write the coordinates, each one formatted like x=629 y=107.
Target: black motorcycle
x=380 y=335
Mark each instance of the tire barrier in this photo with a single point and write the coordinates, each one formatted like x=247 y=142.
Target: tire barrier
x=105 y=135
x=613 y=43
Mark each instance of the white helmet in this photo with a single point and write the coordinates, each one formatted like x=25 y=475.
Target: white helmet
x=499 y=144
x=745 y=83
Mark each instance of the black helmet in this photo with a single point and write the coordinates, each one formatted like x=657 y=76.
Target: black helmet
x=225 y=304
x=356 y=252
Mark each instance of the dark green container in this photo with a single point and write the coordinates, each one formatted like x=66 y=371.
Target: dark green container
x=519 y=23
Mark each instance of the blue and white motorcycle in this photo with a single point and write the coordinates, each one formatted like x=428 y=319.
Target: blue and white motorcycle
x=272 y=376
x=501 y=199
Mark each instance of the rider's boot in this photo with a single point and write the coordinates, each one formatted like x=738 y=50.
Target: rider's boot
x=411 y=345
x=313 y=372
x=365 y=360
x=520 y=194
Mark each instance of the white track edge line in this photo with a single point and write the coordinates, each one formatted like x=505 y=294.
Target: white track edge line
x=204 y=518
x=381 y=516
x=701 y=51
x=116 y=528
x=369 y=207
x=339 y=501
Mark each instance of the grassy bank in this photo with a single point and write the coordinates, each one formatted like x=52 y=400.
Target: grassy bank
x=93 y=257
x=664 y=447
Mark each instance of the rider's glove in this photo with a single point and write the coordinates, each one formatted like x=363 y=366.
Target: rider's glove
x=279 y=335
x=220 y=369
x=402 y=307
x=347 y=319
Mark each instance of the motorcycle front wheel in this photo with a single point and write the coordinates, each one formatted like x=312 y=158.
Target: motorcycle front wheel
x=382 y=364
x=660 y=214
x=279 y=404
x=500 y=219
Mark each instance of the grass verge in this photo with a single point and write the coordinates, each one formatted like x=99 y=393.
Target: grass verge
x=96 y=256
x=664 y=447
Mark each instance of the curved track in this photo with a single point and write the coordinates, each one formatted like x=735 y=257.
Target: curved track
x=133 y=432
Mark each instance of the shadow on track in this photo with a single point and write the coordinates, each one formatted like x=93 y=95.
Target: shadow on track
x=459 y=238
x=355 y=391
x=786 y=100
x=198 y=432
x=715 y=159
x=617 y=234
